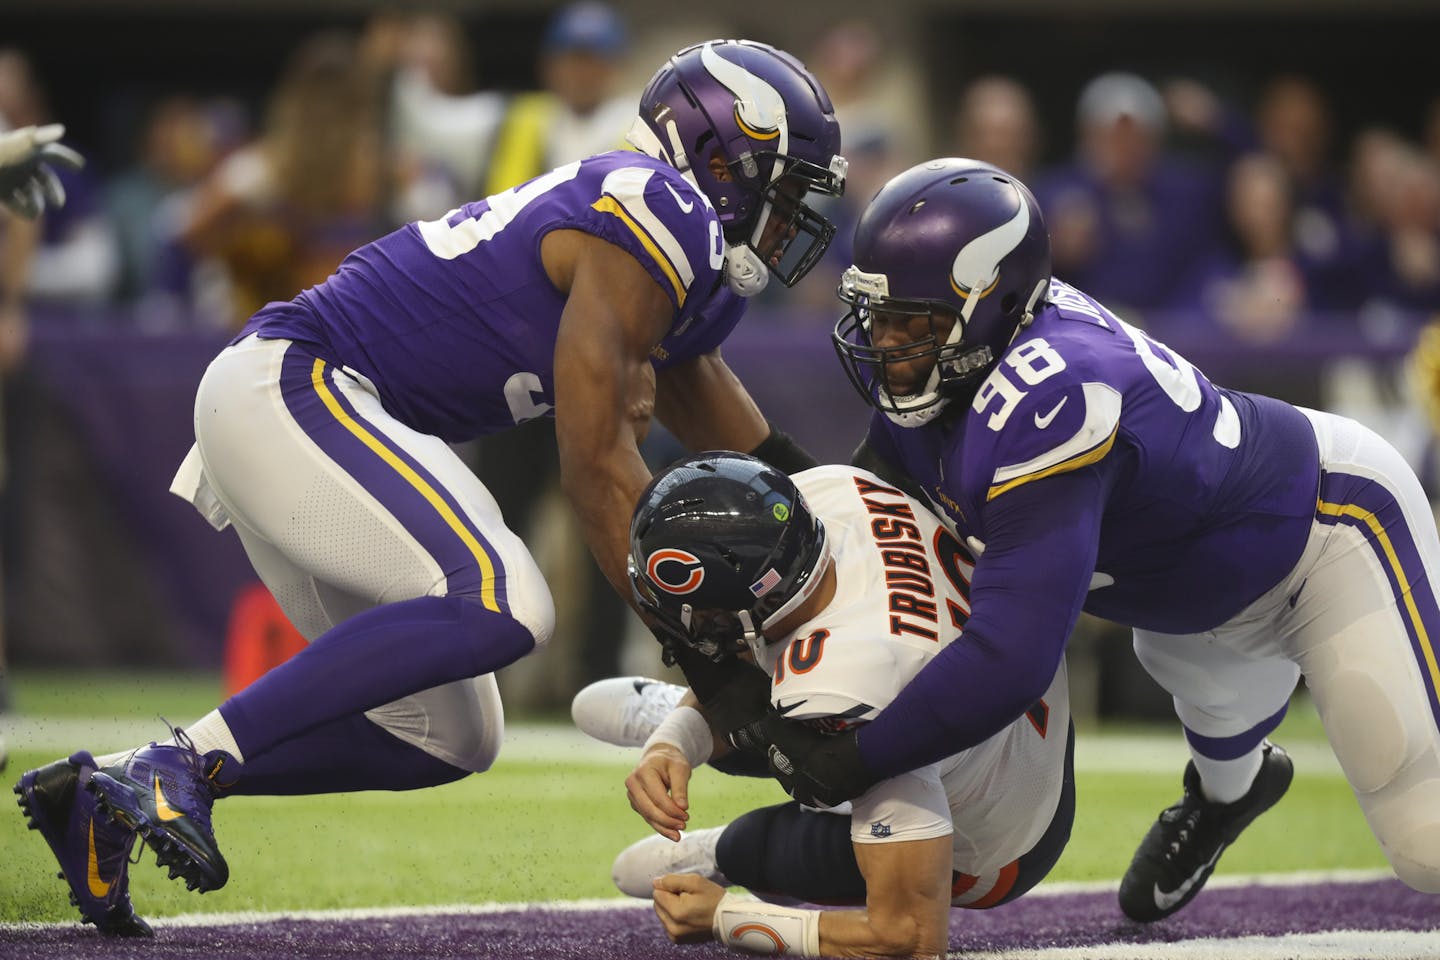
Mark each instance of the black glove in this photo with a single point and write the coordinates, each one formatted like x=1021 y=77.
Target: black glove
x=731 y=692
x=816 y=768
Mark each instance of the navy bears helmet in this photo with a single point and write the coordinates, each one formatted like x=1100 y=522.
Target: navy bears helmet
x=723 y=545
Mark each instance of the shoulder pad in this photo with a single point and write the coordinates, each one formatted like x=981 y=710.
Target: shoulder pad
x=670 y=223
x=1059 y=431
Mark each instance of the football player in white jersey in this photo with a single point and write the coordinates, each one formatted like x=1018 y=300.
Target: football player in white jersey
x=841 y=588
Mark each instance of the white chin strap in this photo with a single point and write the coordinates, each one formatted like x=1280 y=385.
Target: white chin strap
x=915 y=418
x=745 y=273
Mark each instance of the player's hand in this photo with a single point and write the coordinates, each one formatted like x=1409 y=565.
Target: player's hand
x=816 y=768
x=685 y=904
x=659 y=790
x=27 y=177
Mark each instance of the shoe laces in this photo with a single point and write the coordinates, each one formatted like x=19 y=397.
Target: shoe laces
x=1188 y=838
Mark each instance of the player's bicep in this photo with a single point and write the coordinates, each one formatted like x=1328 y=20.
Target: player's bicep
x=614 y=314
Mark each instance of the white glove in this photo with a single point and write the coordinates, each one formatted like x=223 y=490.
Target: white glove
x=27 y=182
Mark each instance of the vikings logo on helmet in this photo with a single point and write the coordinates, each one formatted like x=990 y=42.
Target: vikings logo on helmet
x=758 y=111
x=961 y=244
x=759 y=108
x=977 y=265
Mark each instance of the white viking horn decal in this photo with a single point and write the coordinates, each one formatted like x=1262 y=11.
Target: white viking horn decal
x=759 y=108
x=977 y=266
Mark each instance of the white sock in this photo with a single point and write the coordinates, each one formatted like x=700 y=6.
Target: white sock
x=110 y=759
x=211 y=732
x=1225 y=781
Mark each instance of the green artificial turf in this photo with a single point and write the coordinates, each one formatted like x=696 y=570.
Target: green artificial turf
x=547 y=830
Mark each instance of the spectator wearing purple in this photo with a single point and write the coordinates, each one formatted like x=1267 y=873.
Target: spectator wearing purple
x=1128 y=221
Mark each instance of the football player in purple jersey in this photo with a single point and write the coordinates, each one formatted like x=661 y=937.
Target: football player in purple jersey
x=597 y=294
x=1089 y=467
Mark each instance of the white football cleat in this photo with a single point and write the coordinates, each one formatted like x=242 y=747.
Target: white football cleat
x=641 y=862
x=624 y=710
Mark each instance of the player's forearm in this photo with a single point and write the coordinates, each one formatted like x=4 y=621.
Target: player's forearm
x=719 y=745
x=603 y=491
x=1028 y=588
x=851 y=933
x=967 y=693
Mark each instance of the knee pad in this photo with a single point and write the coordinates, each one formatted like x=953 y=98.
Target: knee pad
x=475 y=742
x=1418 y=867
x=461 y=723
x=1408 y=827
x=1365 y=730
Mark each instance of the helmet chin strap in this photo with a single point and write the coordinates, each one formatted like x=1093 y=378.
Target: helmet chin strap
x=745 y=273
x=917 y=418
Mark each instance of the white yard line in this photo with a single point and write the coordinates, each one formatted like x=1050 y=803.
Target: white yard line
x=1095 y=752
x=1334 y=945
x=626 y=903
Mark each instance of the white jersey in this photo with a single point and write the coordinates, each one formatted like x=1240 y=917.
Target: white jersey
x=902 y=594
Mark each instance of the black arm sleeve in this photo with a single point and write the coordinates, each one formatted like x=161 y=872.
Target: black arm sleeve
x=780 y=450
x=732 y=692
x=867 y=457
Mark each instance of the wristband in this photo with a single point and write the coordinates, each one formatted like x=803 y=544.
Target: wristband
x=747 y=924
x=685 y=728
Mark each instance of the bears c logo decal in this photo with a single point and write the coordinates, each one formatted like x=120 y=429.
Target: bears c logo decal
x=675 y=571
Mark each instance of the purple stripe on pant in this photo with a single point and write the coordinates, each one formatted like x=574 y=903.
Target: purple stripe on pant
x=410 y=507
x=1422 y=626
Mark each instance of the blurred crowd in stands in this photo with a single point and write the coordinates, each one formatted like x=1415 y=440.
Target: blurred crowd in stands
x=1172 y=203
x=1179 y=208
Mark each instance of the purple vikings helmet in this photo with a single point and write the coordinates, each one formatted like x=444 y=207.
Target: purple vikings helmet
x=773 y=126
x=956 y=236
x=722 y=545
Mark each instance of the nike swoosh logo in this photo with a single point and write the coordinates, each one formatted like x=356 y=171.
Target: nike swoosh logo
x=99 y=887
x=162 y=806
x=1041 y=422
x=1167 y=900
x=685 y=205
x=786 y=708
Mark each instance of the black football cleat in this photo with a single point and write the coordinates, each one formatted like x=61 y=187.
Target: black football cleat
x=1179 y=853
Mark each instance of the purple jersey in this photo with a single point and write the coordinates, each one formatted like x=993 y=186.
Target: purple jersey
x=1209 y=493
x=455 y=321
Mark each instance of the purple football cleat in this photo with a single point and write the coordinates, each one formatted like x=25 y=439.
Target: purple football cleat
x=165 y=792
x=94 y=854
